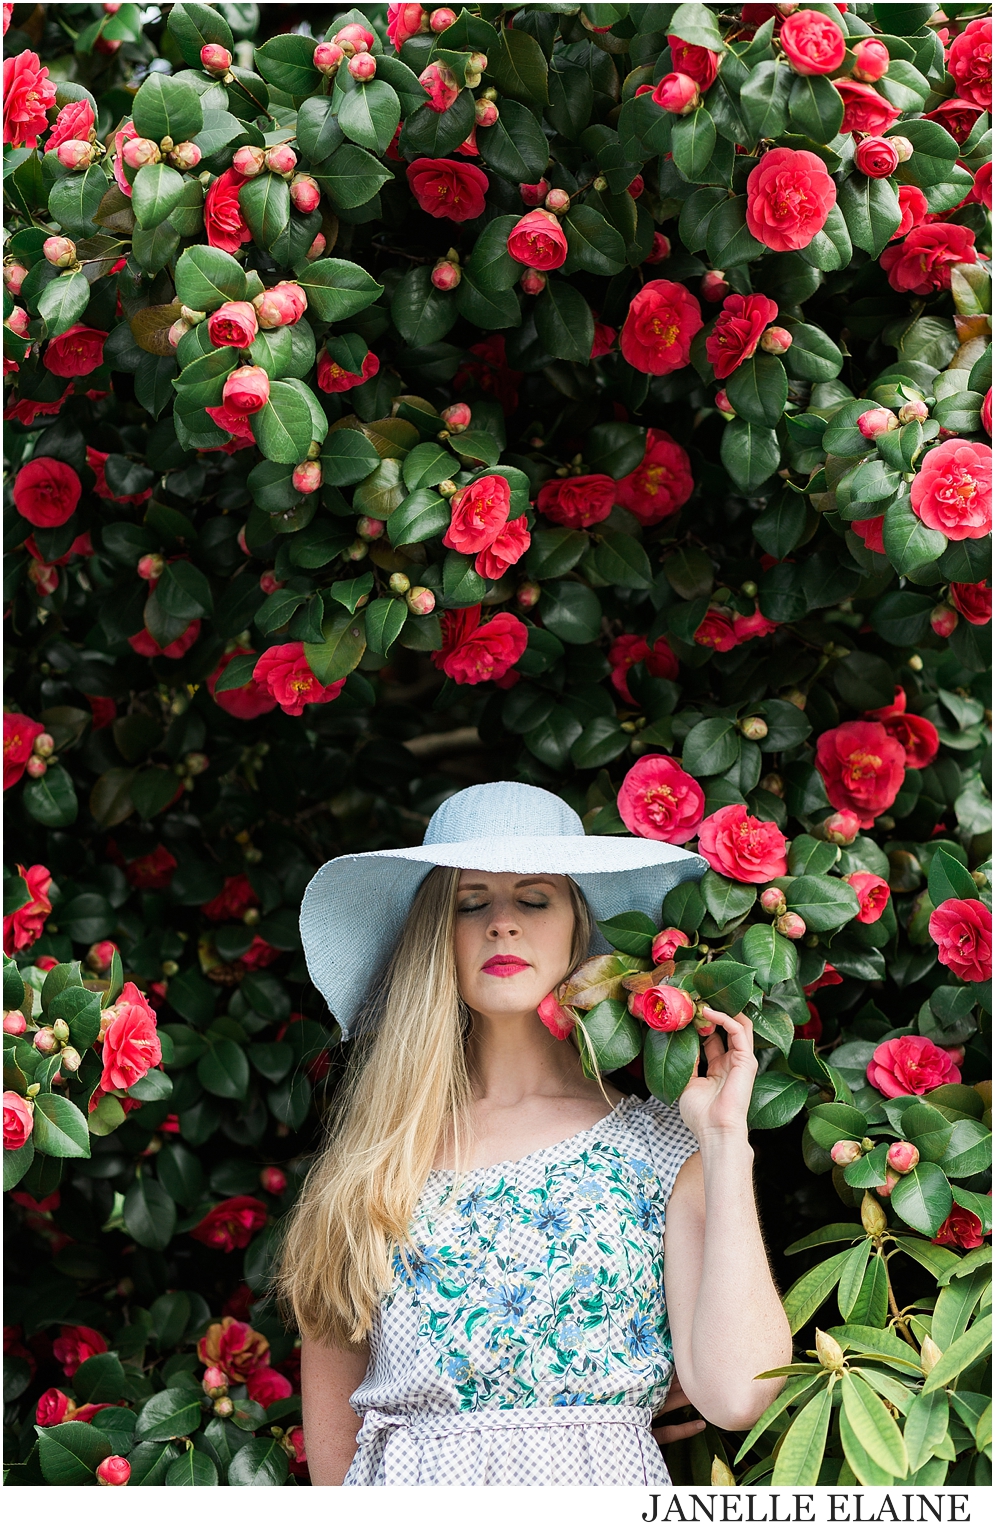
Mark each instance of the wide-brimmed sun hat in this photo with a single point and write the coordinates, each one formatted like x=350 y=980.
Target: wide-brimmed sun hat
x=355 y=906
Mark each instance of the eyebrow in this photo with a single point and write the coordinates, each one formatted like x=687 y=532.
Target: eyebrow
x=466 y=888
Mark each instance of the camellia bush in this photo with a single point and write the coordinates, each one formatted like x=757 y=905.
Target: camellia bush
x=596 y=396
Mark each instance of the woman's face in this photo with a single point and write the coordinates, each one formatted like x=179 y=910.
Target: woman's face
x=514 y=937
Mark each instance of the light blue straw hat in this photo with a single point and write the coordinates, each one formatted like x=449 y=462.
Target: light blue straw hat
x=355 y=906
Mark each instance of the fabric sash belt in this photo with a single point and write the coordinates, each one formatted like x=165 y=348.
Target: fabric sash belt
x=439 y=1423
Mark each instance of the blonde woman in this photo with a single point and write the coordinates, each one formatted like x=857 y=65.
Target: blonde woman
x=477 y=1262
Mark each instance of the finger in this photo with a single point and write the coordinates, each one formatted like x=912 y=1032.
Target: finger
x=738 y=1030
x=666 y=1434
x=715 y=1051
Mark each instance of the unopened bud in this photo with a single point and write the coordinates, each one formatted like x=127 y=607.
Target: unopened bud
x=485 y=113
x=317 y=248
x=328 y=57
x=70 y=1060
x=677 y=93
x=362 y=66
x=874 y=423
x=281 y=160
x=251 y=917
x=35 y=766
x=58 y=251
x=370 y=528
x=268 y=582
x=903 y=1157
x=532 y=282
x=306 y=477
x=457 y=417
x=60 y=1031
x=357 y=36
x=791 y=925
x=446 y=275
x=13 y=276
x=273 y=1180
x=557 y=200
x=305 y=193
x=943 y=620
x=722 y=1476
x=214 y=1382
x=76 y=154
x=249 y=160
x=870 y=59
x=916 y=409
x=186 y=156
x=44 y=745
x=177 y=330
x=215 y=59
x=904 y=148
x=888 y=1185
x=772 y=901
x=447 y=489
x=527 y=595
x=140 y=151
x=113 y=1471
x=356 y=551
x=776 y=340
x=150 y=566
x=752 y=728
x=45 y=1040
x=420 y=600
x=399 y=584
x=841 y=828
x=845 y=1152
x=872 y=1215
x=929 y=1354
x=714 y=287
x=829 y=1351
x=196 y=762
x=441 y=19
x=14 y=1023
x=636 y=187
x=773 y=783
x=224 y=1407
x=723 y=405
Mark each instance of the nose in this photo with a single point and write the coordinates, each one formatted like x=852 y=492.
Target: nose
x=504 y=920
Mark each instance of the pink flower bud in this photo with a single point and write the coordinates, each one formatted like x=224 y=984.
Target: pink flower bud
x=753 y=728
x=18 y=321
x=659 y=251
x=13 y=276
x=75 y=154
x=196 y=763
x=35 y=766
x=328 y=57
x=282 y=304
x=723 y=404
x=356 y=550
x=316 y=248
x=845 y=1152
x=59 y=251
x=916 y=409
x=776 y=340
x=305 y=193
x=903 y=147
x=362 y=66
x=100 y=956
x=186 y=156
x=233 y=324
x=369 y=528
x=115 y=1470
x=224 y=1407
x=45 y=1040
x=476 y=63
x=888 y=1185
x=791 y=925
x=666 y=943
x=876 y=157
x=487 y=114
x=14 y=1024
x=441 y=19
x=215 y=59
x=214 y=1382
x=871 y=60
x=772 y=901
x=533 y=196
x=281 y=160
x=677 y=93
x=306 y=477
x=714 y=287
x=446 y=275
x=636 y=187
x=150 y=566
x=273 y=1180
x=399 y=584
x=359 y=37
x=70 y=1060
x=268 y=582
x=557 y=200
x=420 y=601
x=140 y=151
x=246 y=390
x=457 y=416
x=902 y=1157
x=44 y=745
x=873 y=423
x=111 y=7
x=249 y=160
x=943 y=620
x=532 y=282
x=527 y=595
x=556 y=1018
x=177 y=330
x=44 y=577
x=841 y=828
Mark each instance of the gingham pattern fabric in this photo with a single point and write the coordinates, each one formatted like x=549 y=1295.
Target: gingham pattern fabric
x=525 y=1340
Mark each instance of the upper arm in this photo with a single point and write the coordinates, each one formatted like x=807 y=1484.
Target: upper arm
x=684 y=1250
x=329 y=1375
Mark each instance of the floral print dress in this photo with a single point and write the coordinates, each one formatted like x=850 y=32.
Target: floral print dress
x=525 y=1340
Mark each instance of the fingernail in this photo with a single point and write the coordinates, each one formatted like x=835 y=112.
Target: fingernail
x=699 y=1425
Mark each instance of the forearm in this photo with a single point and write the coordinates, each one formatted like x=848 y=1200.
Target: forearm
x=328 y=1377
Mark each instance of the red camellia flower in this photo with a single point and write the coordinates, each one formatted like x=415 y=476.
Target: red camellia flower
x=862 y=768
x=962 y=929
x=152 y=871
x=754 y=626
x=662 y=321
x=237 y=896
x=233 y=1345
x=604 y=339
x=864 y=111
x=910 y=1066
x=870 y=532
x=230 y=1225
x=876 y=157
x=981 y=191
x=131 y=1045
x=663 y=1007
x=660 y=801
x=224 y=225
x=960 y=1230
x=18 y=1120
x=27 y=95
x=446 y=189
x=143 y=643
x=813 y=43
x=922 y=262
x=46 y=492
x=23 y=926
x=952 y=492
x=473 y=652
x=717 y=630
x=259 y=954
x=334 y=379
x=53 y=1408
x=873 y=893
x=477 y=514
x=556 y=1018
x=248 y=701
x=288 y=678
x=738 y=330
x=739 y=846
x=442 y=86
x=970 y=62
x=700 y=63
x=914 y=208
x=661 y=484
x=72 y=125
x=75 y=1345
x=266 y=1386
x=75 y=352
x=233 y=324
x=958 y=117
x=19 y=735
x=538 y=241
x=486 y=365
x=404 y=21
x=577 y=502
x=789 y=196
x=511 y=543
x=631 y=649
x=973 y=602
x=97 y=463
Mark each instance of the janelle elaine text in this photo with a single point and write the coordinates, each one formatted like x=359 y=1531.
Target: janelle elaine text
x=912 y=1507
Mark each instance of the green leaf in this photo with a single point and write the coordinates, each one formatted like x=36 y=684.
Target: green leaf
x=318 y=131
x=571 y=612
x=758 y=389
x=283 y=428
x=669 y=1061
x=777 y=1098
x=725 y=900
x=60 y=1128
x=74 y=200
x=808 y=1294
x=823 y=903
x=206 y=278
x=287 y=61
x=515 y=146
x=70 y=1453
x=966 y=1349
x=63 y=302
x=166 y=107
x=711 y=747
x=347 y=457
x=341 y=650
x=224 y=1069
x=384 y=620
x=369 y=115
x=194 y=25
x=422 y=515
x=949 y=879
x=564 y=323
x=351 y=177
x=150 y=1461
x=518 y=67
x=51 y=800
x=99 y=1380
x=774 y=957
x=926 y=1426
x=813 y=356
x=910 y=545
x=265 y=204
x=923 y=1198
x=870 y=208
x=693 y=143
x=170 y=1413
x=816 y=108
x=695 y=24
x=338 y=289
x=157 y=190
x=594 y=244
x=866 y=1421
x=802 y=1449
x=149 y=1214
x=750 y=453
x=193 y=1470
x=725 y=986
x=612 y=1033
x=261 y=1463
x=631 y=932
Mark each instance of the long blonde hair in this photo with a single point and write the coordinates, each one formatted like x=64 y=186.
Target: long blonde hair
x=407 y=1091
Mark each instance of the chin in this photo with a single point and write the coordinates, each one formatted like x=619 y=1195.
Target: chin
x=497 y=997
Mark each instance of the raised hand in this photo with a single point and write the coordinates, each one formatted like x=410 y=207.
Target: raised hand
x=715 y=1104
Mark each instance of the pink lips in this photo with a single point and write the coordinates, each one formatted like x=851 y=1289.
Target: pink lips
x=504 y=966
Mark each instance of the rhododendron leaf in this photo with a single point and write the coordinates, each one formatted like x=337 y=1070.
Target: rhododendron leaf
x=60 y=1128
x=669 y=1061
x=923 y=1198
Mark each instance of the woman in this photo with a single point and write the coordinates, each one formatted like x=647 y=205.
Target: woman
x=477 y=1261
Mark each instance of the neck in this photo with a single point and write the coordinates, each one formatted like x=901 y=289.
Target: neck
x=512 y=1057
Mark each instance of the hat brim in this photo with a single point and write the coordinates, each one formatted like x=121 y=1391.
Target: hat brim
x=355 y=906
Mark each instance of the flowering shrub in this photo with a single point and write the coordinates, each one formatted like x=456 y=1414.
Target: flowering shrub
x=597 y=396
